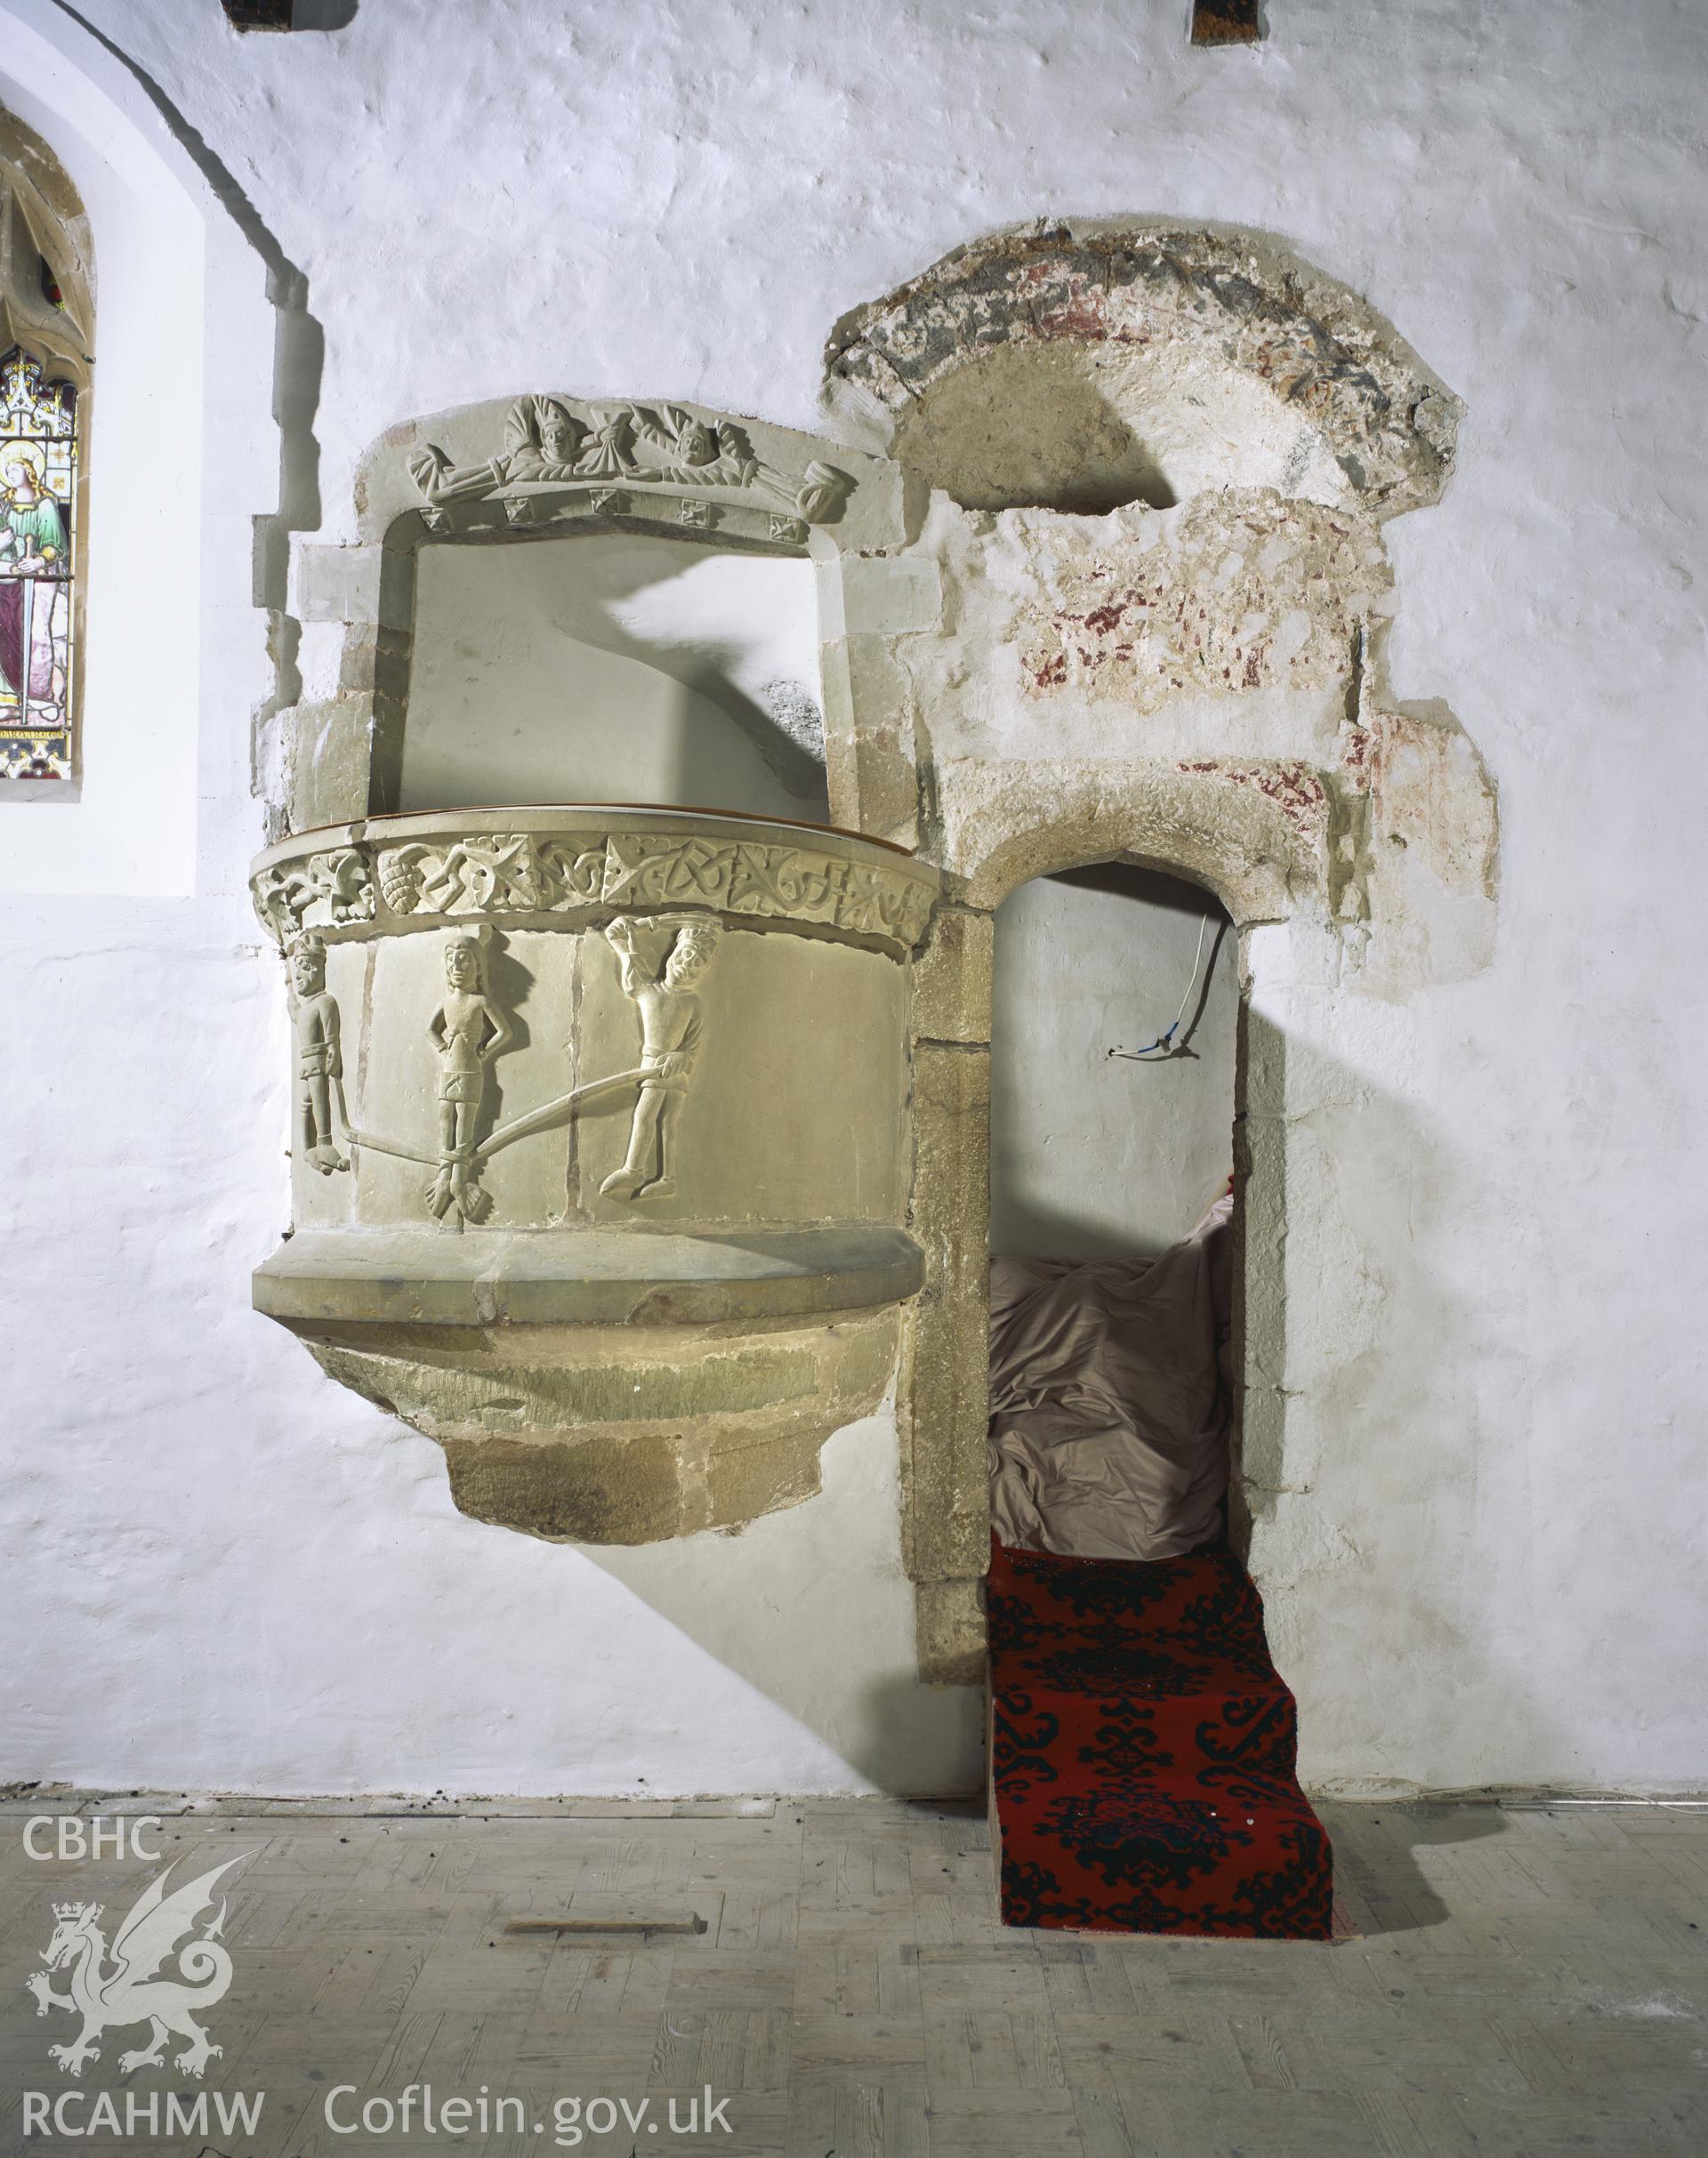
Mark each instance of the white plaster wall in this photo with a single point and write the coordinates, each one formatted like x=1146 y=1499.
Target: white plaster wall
x=221 y=1568
x=1092 y=1156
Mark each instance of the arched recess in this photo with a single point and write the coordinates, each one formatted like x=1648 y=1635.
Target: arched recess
x=1242 y=850
x=1078 y=366
x=47 y=340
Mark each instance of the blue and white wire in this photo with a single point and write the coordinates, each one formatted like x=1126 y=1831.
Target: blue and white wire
x=1166 y=1042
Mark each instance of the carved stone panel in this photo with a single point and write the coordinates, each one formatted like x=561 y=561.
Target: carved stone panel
x=560 y=458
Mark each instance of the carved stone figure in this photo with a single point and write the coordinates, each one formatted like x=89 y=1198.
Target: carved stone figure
x=319 y=1057
x=675 y=444
x=468 y=1030
x=542 y=440
x=660 y=960
x=821 y=494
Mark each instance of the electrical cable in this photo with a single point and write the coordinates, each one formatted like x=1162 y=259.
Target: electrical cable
x=1166 y=1042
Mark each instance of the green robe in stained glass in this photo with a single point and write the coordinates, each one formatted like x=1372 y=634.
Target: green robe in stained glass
x=33 y=528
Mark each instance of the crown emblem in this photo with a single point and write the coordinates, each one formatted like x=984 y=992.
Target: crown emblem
x=91 y=1910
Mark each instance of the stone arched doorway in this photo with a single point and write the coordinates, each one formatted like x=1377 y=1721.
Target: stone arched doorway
x=1158 y=634
x=1202 y=832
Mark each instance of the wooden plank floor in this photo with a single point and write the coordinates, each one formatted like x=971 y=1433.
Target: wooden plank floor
x=1525 y=1983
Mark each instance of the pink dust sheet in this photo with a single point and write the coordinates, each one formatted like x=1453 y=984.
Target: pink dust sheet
x=1109 y=1399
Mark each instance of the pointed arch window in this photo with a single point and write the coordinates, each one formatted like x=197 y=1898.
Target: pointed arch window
x=46 y=346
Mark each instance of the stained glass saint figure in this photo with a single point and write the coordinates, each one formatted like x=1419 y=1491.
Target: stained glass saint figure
x=37 y=481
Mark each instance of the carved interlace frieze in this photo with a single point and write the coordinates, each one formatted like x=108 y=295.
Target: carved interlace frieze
x=488 y=873
x=561 y=457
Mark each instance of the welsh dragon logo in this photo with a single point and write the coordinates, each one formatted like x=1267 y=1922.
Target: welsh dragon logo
x=131 y=1991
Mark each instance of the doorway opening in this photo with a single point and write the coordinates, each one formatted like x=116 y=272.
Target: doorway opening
x=1115 y=1010
x=1144 y=1748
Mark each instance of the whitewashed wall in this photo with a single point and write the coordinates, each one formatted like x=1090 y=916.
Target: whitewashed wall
x=1092 y=1156
x=222 y=1570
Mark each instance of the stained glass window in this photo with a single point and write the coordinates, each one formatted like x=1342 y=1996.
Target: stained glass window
x=47 y=326
x=38 y=493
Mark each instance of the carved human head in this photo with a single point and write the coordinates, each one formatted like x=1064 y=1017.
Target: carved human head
x=463 y=963
x=690 y=952
x=309 y=966
x=558 y=432
x=694 y=444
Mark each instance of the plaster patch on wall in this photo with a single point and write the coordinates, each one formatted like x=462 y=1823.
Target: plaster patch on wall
x=1241 y=592
x=1433 y=797
x=1430 y=866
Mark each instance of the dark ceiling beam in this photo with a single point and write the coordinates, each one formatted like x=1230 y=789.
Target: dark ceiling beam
x=1226 y=22
x=259 y=15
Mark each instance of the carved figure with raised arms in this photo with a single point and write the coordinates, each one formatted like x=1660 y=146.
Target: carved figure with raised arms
x=660 y=960
x=542 y=440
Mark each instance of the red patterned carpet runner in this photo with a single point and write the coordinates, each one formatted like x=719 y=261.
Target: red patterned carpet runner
x=1143 y=1754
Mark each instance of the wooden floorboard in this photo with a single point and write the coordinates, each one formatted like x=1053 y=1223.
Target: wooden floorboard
x=1524 y=1983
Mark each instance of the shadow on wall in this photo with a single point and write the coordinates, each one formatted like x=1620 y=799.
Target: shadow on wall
x=615 y=667
x=1398 y=1681
x=1093 y=1156
x=811 y=1608
x=299 y=356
